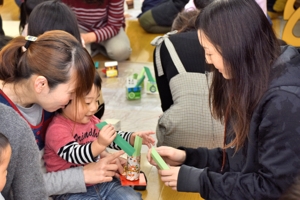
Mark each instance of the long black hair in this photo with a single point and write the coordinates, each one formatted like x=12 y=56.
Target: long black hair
x=243 y=36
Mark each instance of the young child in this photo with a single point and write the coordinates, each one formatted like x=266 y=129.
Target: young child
x=72 y=139
x=5 y=153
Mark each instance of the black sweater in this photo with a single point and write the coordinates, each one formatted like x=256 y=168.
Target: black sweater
x=269 y=160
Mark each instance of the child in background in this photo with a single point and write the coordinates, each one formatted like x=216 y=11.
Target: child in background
x=5 y=153
x=72 y=140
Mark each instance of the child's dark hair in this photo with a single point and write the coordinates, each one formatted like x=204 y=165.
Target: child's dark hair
x=200 y=4
x=4 y=143
x=25 y=9
x=185 y=21
x=97 y=80
x=52 y=15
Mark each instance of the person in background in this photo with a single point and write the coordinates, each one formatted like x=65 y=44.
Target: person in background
x=5 y=154
x=254 y=92
x=183 y=89
x=102 y=24
x=68 y=144
x=159 y=19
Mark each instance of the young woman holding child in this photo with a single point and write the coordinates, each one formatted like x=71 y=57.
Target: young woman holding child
x=255 y=93
x=38 y=78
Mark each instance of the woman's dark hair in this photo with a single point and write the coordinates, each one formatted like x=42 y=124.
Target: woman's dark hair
x=185 y=21
x=53 y=55
x=4 y=143
x=242 y=34
x=25 y=9
x=293 y=192
x=200 y=4
x=53 y=15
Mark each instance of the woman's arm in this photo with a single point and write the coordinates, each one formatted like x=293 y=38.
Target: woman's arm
x=24 y=178
x=73 y=180
x=65 y=181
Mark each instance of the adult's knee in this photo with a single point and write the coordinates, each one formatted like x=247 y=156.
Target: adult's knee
x=119 y=52
x=147 y=22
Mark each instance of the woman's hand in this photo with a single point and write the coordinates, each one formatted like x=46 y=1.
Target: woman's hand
x=170 y=176
x=146 y=135
x=170 y=155
x=120 y=162
x=102 y=171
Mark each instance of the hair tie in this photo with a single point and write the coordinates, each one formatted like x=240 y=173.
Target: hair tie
x=29 y=39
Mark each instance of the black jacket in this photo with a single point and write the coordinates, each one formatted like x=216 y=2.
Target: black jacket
x=270 y=159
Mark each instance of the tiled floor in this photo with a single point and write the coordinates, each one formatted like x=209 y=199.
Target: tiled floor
x=135 y=115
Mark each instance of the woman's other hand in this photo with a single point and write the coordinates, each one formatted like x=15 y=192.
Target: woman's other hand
x=102 y=171
x=170 y=155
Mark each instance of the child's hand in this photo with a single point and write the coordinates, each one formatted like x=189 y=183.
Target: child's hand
x=146 y=135
x=106 y=135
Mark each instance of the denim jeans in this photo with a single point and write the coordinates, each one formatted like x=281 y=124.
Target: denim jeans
x=104 y=191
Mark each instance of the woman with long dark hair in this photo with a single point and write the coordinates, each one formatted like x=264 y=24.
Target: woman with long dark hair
x=254 y=92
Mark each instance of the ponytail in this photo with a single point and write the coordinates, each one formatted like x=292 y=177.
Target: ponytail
x=10 y=56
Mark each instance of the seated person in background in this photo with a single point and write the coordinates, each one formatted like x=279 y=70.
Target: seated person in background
x=183 y=89
x=72 y=140
x=255 y=92
x=102 y=24
x=5 y=154
x=159 y=19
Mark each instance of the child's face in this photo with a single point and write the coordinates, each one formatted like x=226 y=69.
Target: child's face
x=5 y=158
x=86 y=111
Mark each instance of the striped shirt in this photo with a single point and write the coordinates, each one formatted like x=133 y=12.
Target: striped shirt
x=105 y=20
x=69 y=145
